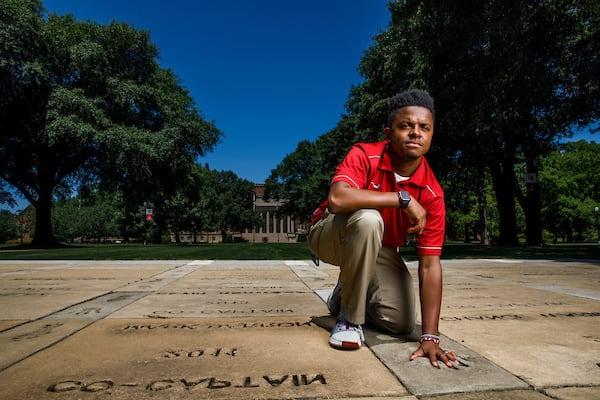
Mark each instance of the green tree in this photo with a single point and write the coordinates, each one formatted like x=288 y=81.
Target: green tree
x=299 y=179
x=91 y=218
x=570 y=187
x=509 y=79
x=81 y=101
x=67 y=219
x=230 y=199
x=8 y=226
x=5 y=196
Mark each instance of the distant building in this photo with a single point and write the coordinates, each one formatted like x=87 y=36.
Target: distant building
x=276 y=227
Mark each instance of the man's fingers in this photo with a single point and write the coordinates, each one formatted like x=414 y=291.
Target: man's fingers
x=444 y=358
x=417 y=228
x=416 y=354
x=452 y=356
x=433 y=360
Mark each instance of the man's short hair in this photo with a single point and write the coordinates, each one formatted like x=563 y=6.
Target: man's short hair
x=412 y=97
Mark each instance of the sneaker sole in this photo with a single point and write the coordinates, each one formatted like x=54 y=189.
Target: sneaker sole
x=336 y=344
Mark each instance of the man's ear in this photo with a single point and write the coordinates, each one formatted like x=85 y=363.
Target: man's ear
x=386 y=132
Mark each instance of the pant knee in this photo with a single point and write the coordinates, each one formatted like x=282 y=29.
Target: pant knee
x=366 y=220
x=392 y=320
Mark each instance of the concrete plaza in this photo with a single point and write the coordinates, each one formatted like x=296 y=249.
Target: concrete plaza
x=523 y=329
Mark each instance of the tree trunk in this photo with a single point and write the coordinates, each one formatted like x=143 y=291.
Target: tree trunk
x=482 y=205
x=532 y=206
x=43 y=220
x=159 y=230
x=504 y=187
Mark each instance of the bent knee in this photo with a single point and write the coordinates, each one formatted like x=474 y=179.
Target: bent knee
x=366 y=219
x=392 y=320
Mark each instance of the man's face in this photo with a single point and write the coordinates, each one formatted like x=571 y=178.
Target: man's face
x=411 y=132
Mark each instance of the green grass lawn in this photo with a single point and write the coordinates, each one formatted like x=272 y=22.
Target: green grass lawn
x=216 y=251
x=273 y=251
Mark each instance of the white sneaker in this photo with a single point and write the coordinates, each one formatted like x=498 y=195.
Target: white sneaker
x=334 y=301
x=346 y=335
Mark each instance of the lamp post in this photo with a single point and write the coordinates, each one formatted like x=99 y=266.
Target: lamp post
x=597 y=212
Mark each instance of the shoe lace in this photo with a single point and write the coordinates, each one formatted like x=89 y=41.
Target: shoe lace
x=349 y=325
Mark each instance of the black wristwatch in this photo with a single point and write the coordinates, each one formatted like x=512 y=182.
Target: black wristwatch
x=404 y=198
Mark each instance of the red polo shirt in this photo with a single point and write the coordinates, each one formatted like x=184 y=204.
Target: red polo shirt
x=369 y=166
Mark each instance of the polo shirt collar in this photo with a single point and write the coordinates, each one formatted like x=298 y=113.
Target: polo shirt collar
x=417 y=178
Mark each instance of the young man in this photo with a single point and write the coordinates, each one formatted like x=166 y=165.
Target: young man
x=380 y=193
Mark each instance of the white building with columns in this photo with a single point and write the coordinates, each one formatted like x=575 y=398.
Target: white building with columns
x=276 y=226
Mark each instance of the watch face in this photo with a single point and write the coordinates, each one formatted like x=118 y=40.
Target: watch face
x=404 y=198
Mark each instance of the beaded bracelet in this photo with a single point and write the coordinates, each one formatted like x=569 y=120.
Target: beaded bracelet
x=427 y=337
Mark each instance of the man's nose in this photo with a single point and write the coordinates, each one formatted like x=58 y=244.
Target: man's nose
x=415 y=132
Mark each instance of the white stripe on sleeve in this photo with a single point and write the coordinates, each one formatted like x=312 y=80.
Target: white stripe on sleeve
x=346 y=176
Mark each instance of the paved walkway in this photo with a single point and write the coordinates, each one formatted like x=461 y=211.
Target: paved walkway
x=259 y=330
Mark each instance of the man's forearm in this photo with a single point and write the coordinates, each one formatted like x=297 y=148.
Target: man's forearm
x=345 y=199
x=430 y=291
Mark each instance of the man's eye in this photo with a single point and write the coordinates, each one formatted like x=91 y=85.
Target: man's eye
x=425 y=127
x=403 y=125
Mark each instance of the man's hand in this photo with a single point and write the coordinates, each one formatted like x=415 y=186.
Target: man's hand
x=416 y=215
x=433 y=351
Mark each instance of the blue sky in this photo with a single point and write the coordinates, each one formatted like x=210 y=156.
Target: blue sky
x=269 y=73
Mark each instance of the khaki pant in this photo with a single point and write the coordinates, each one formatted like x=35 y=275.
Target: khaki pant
x=376 y=286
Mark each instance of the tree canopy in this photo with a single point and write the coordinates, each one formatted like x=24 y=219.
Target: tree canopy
x=510 y=79
x=570 y=190
x=82 y=102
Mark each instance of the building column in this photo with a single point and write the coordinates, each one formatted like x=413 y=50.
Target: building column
x=267 y=224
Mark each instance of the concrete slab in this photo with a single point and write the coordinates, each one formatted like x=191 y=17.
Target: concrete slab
x=27 y=339
x=82 y=276
x=570 y=290
x=214 y=278
x=157 y=281
x=377 y=398
x=35 y=305
x=272 y=362
x=572 y=275
x=503 y=395
x=224 y=303
x=471 y=300
x=98 y=307
x=324 y=293
x=523 y=343
x=4 y=325
x=132 y=341
x=508 y=298
x=33 y=295
x=521 y=328
x=475 y=373
x=574 y=393
x=249 y=264
x=22 y=341
x=313 y=277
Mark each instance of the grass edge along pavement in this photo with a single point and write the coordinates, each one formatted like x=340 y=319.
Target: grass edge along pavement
x=274 y=251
